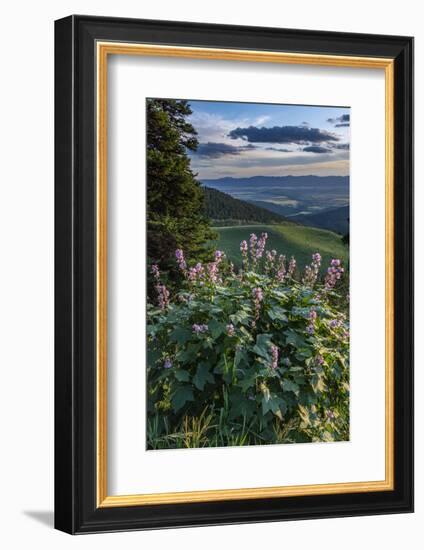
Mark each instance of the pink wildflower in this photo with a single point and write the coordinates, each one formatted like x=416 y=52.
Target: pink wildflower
x=311 y=271
x=163 y=296
x=230 y=330
x=155 y=271
x=197 y=329
x=270 y=259
x=281 y=269
x=179 y=255
x=274 y=353
x=292 y=267
x=261 y=246
x=244 y=252
x=258 y=296
x=310 y=329
x=334 y=273
x=196 y=273
x=253 y=240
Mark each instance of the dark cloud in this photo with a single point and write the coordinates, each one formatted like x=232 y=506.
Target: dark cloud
x=283 y=134
x=316 y=149
x=277 y=149
x=217 y=150
x=340 y=121
x=343 y=146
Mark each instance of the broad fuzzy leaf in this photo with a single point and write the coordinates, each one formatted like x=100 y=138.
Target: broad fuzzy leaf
x=181 y=396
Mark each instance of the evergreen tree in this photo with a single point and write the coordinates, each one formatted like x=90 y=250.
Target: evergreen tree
x=221 y=207
x=175 y=210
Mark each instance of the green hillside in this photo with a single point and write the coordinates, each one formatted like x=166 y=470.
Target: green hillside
x=222 y=208
x=234 y=220
x=290 y=239
x=336 y=219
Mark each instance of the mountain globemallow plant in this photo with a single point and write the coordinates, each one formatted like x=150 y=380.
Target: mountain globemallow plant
x=254 y=357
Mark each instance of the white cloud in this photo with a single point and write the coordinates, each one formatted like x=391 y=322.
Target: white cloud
x=261 y=120
x=262 y=159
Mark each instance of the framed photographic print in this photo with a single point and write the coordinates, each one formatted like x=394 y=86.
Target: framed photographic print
x=233 y=274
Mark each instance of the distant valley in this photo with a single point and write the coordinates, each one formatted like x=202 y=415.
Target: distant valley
x=317 y=201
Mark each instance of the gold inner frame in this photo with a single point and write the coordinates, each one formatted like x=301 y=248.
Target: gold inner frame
x=103 y=50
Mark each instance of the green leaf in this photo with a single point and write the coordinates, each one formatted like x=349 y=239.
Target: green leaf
x=153 y=356
x=182 y=375
x=240 y=406
x=308 y=398
x=216 y=328
x=305 y=353
x=288 y=385
x=202 y=376
x=277 y=313
x=154 y=312
x=295 y=339
x=240 y=358
x=181 y=396
x=317 y=383
x=271 y=403
x=299 y=379
x=189 y=354
x=283 y=406
x=263 y=339
x=151 y=329
x=180 y=335
x=248 y=381
x=280 y=294
x=220 y=366
x=262 y=345
x=240 y=317
x=246 y=334
x=261 y=351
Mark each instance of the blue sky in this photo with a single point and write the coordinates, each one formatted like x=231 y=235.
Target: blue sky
x=250 y=139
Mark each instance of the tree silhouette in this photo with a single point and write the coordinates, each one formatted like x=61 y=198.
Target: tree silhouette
x=175 y=208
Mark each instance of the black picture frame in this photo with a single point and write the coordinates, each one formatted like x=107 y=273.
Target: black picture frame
x=76 y=509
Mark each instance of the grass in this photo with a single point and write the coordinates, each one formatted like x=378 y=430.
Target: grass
x=289 y=239
x=212 y=429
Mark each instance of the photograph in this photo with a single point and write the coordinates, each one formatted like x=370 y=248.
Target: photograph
x=234 y=269
x=247 y=283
